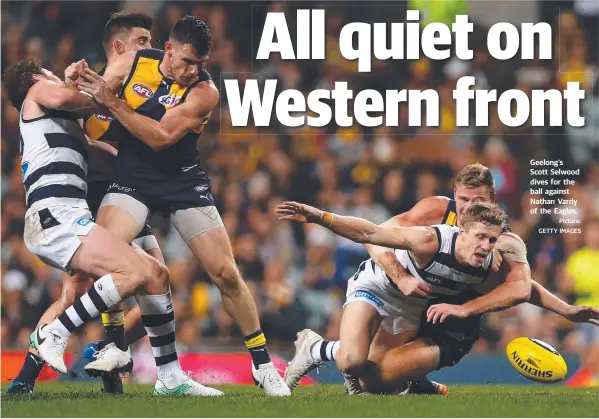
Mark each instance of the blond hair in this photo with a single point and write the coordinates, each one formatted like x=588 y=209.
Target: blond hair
x=480 y=212
x=475 y=176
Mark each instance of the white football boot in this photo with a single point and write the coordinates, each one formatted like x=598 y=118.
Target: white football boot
x=108 y=359
x=267 y=377
x=183 y=384
x=302 y=362
x=51 y=346
x=352 y=386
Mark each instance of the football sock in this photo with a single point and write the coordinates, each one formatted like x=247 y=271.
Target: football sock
x=136 y=332
x=158 y=318
x=256 y=344
x=114 y=327
x=325 y=350
x=100 y=296
x=32 y=366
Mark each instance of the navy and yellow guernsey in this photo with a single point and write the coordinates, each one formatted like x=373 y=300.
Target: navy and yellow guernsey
x=164 y=180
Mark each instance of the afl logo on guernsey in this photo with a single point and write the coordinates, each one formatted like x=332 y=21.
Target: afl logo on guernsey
x=142 y=90
x=169 y=100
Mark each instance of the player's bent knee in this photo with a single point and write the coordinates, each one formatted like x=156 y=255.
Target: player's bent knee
x=351 y=362
x=227 y=277
x=153 y=276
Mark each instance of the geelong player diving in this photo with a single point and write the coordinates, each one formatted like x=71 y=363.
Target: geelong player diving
x=122 y=33
x=447 y=331
x=58 y=224
x=165 y=98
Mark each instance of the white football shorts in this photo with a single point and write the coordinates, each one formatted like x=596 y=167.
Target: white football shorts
x=398 y=311
x=52 y=233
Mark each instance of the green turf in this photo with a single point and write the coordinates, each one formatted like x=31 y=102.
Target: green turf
x=86 y=400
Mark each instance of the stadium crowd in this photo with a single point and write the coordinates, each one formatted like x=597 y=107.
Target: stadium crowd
x=298 y=274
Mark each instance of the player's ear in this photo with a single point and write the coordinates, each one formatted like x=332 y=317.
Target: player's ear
x=168 y=47
x=118 y=46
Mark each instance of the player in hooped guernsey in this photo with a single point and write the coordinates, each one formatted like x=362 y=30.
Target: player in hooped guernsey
x=448 y=259
x=58 y=225
x=165 y=98
x=450 y=325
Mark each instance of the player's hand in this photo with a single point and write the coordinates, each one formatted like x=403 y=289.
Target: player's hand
x=497 y=259
x=411 y=286
x=72 y=72
x=91 y=83
x=295 y=211
x=438 y=313
x=583 y=314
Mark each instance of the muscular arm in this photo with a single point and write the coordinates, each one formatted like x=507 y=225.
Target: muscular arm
x=516 y=287
x=174 y=124
x=426 y=212
x=420 y=240
x=61 y=97
x=158 y=135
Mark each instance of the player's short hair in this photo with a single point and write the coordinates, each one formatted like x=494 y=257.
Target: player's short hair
x=474 y=176
x=192 y=30
x=121 y=23
x=482 y=212
x=18 y=79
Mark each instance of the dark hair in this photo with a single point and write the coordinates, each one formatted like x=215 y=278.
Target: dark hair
x=18 y=79
x=481 y=212
x=474 y=176
x=192 y=30
x=121 y=22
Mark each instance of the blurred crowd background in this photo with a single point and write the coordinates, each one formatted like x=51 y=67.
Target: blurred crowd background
x=298 y=274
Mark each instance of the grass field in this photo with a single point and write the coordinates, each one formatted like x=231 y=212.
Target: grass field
x=87 y=400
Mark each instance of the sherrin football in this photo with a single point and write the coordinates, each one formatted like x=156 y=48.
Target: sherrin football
x=536 y=360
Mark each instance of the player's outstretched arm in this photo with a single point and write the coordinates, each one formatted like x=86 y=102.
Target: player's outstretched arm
x=543 y=298
x=420 y=239
x=426 y=212
x=174 y=124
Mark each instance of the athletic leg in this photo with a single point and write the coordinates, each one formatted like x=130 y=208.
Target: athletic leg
x=399 y=365
x=125 y=216
x=122 y=273
x=24 y=382
x=204 y=233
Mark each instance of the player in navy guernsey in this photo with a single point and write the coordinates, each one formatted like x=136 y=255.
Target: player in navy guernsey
x=165 y=98
x=449 y=337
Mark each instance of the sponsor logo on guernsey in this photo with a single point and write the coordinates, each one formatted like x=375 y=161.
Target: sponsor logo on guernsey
x=83 y=221
x=142 y=90
x=169 y=100
x=201 y=188
x=368 y=296
x=24 y=168
x=104 y=118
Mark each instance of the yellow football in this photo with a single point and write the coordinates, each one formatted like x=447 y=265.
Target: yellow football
x=536 y=360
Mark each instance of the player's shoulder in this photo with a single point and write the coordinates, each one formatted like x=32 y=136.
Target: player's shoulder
x=152 y=53
x=431 y=208
x=205 y=91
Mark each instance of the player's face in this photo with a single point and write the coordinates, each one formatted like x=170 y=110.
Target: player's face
x=185 y=64
x=465 y=197
x=139 y=38
x=479 y=241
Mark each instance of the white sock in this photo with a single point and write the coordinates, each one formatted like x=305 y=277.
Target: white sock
x=325 y=350
x=102 y=295
x=158 y=318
